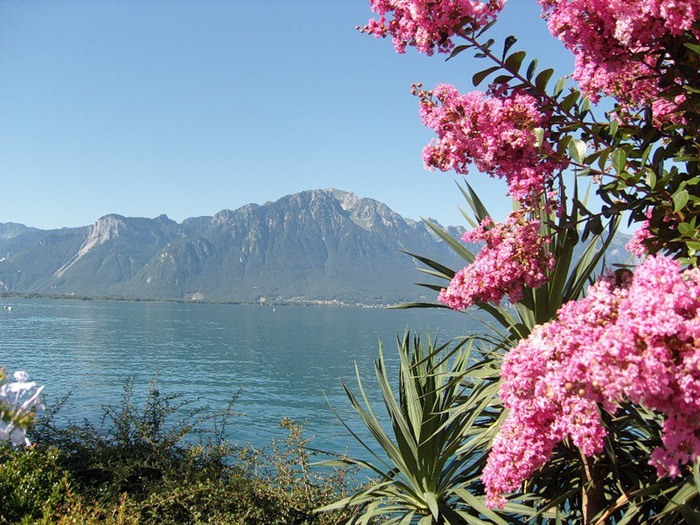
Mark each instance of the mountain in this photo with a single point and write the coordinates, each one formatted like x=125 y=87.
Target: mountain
x=320 y=245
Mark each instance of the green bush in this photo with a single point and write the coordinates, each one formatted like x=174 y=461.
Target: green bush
x=166 y=462
x=31 y=480
x=284 y=484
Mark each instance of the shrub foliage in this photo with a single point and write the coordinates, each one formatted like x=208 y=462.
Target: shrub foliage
x=164 y=461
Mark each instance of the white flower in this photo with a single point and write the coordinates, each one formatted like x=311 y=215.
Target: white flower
x=18 y=398
x=21 y=376
x=15 y=435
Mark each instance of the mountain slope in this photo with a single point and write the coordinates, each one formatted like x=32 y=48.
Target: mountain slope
x=318 y=245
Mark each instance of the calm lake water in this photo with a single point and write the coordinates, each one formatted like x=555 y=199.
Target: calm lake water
x=282 y=358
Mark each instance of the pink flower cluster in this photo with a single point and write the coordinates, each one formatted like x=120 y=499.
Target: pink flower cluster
x=636 y=244
x=643 y=241
x=514 y=256
x=636 y=340
x=492 y=132
x=618 y=43
x=428 y=24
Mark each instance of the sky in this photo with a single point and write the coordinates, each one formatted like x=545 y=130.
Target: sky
x=190 y=107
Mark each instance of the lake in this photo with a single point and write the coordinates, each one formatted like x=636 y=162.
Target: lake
x=282 y=358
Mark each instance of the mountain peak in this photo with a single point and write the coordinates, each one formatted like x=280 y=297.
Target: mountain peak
x=104 y=229
x=313 y=246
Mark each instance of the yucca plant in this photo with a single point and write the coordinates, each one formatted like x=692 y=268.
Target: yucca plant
x=427 y=464
x=447 y=411
x=621 y=476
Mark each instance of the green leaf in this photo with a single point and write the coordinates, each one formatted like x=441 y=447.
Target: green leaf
x=457 y=50
x=479 y=77
x=475 y=203
x=603 y=159
x=559 y=87
x=429 y=498
x=481 y=30
x=680 y=199
x=651 y=179
x=693 y=47
x=645 y=155
x=479 y=505
x=531 y=69
x=514 y=61
x=502 y=79
x=453 y=243
x=619 y=160
x=686 y=229
x=586 y=105
x=543 y=78
x=435 y=269
x=595 y=225
x=570 y=100
x=577 y=150
x=510 y=40
x=539 y=136
x=563 y=144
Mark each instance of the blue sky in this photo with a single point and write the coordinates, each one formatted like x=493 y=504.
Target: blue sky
x=145 y=107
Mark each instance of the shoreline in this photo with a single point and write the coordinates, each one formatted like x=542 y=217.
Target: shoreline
x=276 y=302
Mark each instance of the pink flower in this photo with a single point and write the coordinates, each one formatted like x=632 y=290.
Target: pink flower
x=492 y=132
x=620 y=44
x=636 y=341
x=643 y=241
x=428 y=24
x=514 y=256
x=636 y=244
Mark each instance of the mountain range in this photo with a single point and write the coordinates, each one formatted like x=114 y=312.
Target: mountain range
x=314 y=246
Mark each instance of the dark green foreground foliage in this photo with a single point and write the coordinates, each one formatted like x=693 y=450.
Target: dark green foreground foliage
x=154 y=464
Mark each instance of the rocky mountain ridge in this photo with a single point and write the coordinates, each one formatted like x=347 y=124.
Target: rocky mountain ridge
x=314 y=246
